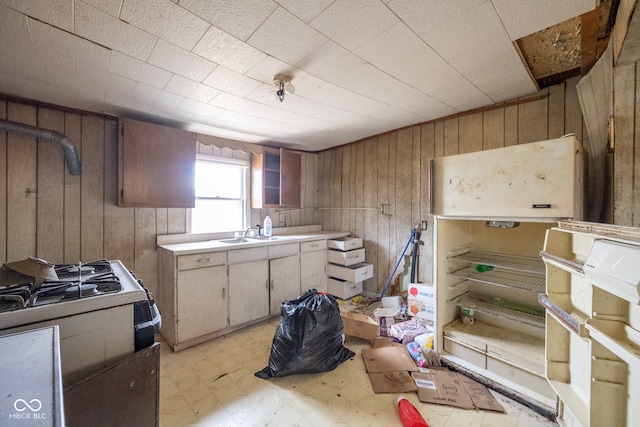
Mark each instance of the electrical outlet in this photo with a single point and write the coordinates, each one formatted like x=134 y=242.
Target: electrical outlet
x=424 y=225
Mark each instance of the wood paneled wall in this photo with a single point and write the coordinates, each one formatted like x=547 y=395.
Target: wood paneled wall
x=48 y=213
x=626 y=181
x=391 y=170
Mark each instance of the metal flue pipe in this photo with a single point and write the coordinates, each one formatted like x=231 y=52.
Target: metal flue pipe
x=70 y=152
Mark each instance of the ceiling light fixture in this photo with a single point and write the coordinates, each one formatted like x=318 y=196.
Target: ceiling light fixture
x=283 y=83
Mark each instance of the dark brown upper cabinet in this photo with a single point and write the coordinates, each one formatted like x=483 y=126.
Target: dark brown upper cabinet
x=156 y=166
x=275 y=178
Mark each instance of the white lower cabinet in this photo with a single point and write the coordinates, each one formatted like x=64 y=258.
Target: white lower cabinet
x=248 y=291
x=202 y=302
x=204 y=295
x=313 y=265
x=284 y=278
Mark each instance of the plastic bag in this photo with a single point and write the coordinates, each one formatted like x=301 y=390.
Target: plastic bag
x=308 y=339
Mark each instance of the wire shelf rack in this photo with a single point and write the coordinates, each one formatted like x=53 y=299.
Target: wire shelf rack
x=510 y=262
x=495 y=306
x=507 y=278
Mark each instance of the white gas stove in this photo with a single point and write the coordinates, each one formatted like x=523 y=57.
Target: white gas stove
x=103 y=313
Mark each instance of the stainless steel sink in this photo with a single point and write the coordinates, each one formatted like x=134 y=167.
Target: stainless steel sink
x=234 y=240
x=263 y=237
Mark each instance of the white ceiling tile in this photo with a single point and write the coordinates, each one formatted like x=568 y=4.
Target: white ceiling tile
x=431 y=109
x=58 y=13
x=61 y=71
x=467 y=100
x=13 y=25
x=423 y=16
x=370 y=81
x=112 y=7
x=229 y=81
x=239 y=17
x=157 y=96
x=402 y=54
x=137 y=70
x=305 y=9
x=225 y=49
x=102 y=28
x=286 y=37
x=25 y=61
x=91 y=80
x=486 y=40
x=265 y=71
x=128 y=101
x=524 y=17
x=330 y=62
x=55 y=40
x=199 y=108
x=172 y=58
x=174 y=118
x=352 y=23
x=166 y=20
x=188 y=88
x=29 y=89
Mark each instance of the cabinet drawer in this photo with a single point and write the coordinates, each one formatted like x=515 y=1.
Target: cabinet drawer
x=345 y=243
x=343 y=288
x=209 y=259
x=245 y=255
x=316 y=245
x=278 y=251
x=346 y=258
x=352 y=273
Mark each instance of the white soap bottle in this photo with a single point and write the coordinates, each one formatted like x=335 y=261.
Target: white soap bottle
x=267 y=226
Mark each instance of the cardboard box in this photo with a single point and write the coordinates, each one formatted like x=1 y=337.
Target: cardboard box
x=446 y=387
x=359 y=325
x=421 y=301
x=389 y=369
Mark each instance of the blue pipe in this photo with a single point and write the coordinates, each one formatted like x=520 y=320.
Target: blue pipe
x=413 y=233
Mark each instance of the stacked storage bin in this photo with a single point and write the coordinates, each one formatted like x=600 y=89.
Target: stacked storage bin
x=345 y=268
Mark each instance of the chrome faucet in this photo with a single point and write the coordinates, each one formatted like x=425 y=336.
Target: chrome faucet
x=246 y=231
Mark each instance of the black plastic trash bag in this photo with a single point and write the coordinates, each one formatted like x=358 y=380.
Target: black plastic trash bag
x=308 y=339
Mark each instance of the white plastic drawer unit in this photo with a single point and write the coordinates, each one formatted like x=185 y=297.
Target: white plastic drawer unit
x=345 y=243
x=353 y=273
x=343 y=288
x=346 y=258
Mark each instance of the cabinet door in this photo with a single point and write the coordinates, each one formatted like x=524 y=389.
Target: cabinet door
x=275 y=178
x=156 y=166
x=201 y=302
x=248 y=291
x=313 y=271
x=285 y=280
x=290 y=168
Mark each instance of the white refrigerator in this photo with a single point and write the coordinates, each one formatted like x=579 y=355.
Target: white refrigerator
x=593 y=323
x=492 y=210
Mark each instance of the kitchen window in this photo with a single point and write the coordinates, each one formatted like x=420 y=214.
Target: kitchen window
x=221 y=186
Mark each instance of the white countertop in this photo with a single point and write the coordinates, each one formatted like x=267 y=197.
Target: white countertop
x=187 y=248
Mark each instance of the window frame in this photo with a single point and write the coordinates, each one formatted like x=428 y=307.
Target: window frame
x=246 y=165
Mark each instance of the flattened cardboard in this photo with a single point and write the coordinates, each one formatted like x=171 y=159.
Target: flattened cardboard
x=446 y=387
x=388 y=359
x=389 y=367
x=359 y=325
x=392 y=382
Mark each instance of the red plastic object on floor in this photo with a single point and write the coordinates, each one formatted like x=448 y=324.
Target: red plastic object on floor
x=409 y=415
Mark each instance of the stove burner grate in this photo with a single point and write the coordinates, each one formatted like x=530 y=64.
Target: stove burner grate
x=67 y=271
